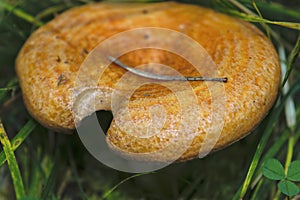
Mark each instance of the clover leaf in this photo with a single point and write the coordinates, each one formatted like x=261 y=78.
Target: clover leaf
x=288 y=188
x=273 y=170
x=294 y=171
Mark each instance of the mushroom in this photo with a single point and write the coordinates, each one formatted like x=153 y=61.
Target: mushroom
x=49 y=62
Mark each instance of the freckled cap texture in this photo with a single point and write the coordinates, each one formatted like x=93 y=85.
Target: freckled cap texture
x=48 y=63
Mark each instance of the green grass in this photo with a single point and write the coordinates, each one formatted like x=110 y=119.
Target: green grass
x=12 y=163
x=36 y=163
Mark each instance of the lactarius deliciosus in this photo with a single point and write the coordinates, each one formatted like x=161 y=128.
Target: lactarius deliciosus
x=48 y=63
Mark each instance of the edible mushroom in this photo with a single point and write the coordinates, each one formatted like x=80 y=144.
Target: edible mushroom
x=49 y=61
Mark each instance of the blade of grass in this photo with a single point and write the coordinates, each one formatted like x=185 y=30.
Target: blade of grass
x=290 y=111
x=222 y=4
x=260 y=15
x=35 y=177
x=272 y=151
x=11 y=85
x=248 y=15
x=187 y=192
x=19 y=138
x=51 y=10
x=64 y=184
x=277 y=195
x=289 y=155
x=12 y=164
x=76 y=175
x=274 y=7
x=255 y=194
x=291 y=59
x=107 y=193
x=31 y=175
x=275 y=113
x=8 y=88
x=38 y=173
x=297 y=135
x=243 y=8
x=20 y=13
x=50 y=184
x=253 y=18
